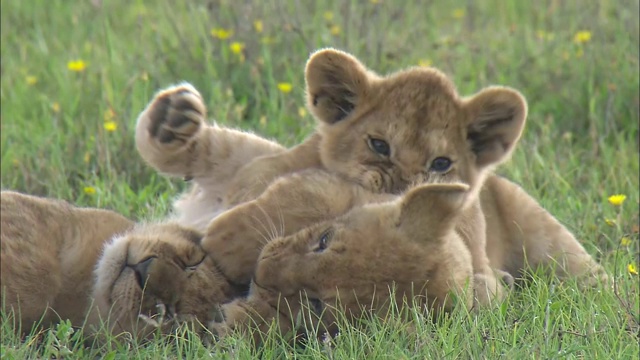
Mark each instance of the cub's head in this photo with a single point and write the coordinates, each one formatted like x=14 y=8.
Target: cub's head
x=408 y=244
x=410 y=127
x=156 y=268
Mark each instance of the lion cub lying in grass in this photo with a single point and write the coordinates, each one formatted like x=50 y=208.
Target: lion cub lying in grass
x=148 y=273
x=48 y=251
x=95 y=267
x=381 y=133
x=405 y=247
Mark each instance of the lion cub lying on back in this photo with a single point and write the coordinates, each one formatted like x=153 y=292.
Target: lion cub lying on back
x=48 y=249
x=406 y=248
x=381 y=133
x=60 y=262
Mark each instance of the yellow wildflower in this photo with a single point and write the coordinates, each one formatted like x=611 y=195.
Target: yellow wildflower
x=110 y=126
x=335 y=30
x=424 y=62
x=221 y=33
x=631 y=268
x=55 y=107
x=144 y=76
x=87 y=157
x=582 y=37
x=31 y=80
x=258 y=26
x=458 y=13
x=236 y=47
x=610 y=222
x=617 y=200
x=285 y=87
x=302 y=112
x=625 y=241
x=263 y=120
x=76 y=65
x=328 y=15
x=89 y=190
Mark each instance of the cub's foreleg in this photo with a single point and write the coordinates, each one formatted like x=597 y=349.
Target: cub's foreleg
x=490 y=285
x=172 y=135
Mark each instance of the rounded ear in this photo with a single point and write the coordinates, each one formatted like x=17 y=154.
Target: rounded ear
x=335 y=82
x=498 y=115
x=427 y=211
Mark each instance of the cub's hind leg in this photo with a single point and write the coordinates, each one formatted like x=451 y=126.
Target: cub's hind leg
x=31 y=274
x=530 y=237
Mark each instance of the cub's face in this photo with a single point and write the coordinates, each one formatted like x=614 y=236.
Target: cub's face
x=408 y=244
x=388 y=133
x=148 y=268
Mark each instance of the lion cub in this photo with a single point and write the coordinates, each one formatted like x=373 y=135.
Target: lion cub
x=48 y=249
x=381 y=133
x=405 y=248
x=95 y=268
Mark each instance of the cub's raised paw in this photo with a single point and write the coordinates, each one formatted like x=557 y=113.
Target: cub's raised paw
x=175 y=116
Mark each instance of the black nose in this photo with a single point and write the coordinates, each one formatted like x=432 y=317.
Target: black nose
x=141 y=270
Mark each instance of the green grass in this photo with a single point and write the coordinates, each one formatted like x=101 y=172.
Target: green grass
x=580 y=146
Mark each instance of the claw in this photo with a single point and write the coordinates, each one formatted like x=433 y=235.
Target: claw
x=159 y=318
x=149 y=321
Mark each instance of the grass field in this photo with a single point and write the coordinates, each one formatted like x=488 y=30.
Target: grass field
x=75 y=74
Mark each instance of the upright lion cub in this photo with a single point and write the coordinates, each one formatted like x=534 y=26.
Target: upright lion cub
x=381 y=133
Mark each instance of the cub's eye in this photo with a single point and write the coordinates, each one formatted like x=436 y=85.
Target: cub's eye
x=191 y=268
x=441 y=164
x=323 y=240
x=379 y=146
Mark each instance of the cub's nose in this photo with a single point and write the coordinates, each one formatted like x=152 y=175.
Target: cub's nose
x=141 y=270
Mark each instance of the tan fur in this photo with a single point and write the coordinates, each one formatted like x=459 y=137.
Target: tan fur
x=421 y=118
x=172 y=136
x=54 y=267
x=166 y=261
x=405 y=249
x=48 y=251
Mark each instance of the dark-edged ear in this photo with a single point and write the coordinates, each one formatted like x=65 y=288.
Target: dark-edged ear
x=335 y=82
x=428 y=210
x=498 y=115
